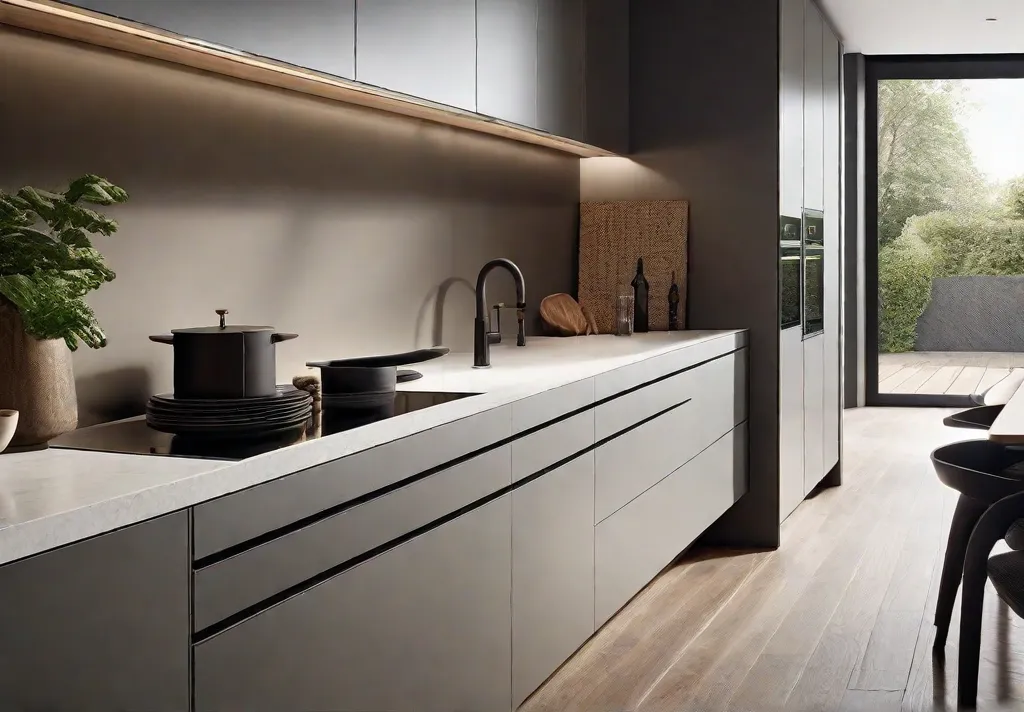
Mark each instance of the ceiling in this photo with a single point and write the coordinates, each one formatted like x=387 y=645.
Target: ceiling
x=928 y=26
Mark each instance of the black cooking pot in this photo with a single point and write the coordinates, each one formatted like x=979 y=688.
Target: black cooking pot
x=224 y=361
x=359 y=380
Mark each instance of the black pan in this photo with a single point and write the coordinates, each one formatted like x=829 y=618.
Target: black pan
x=417 y=356
x=369 y=374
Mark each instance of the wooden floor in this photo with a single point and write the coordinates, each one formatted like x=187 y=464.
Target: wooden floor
x=839 y=618
x=937 y=373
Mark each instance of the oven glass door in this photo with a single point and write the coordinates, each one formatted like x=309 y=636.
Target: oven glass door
x=813 y=272
x=790 y=274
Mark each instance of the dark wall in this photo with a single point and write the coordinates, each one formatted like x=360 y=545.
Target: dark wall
x=704 y=118
x=360 y=231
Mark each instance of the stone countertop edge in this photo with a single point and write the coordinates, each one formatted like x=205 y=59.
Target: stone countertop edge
x=56 y=497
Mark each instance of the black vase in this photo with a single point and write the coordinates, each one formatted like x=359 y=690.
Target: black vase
x=641 y=289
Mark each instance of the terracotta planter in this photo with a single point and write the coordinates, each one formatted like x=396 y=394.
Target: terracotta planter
x=36 y=379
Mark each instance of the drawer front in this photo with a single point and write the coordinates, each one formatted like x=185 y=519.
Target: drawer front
x=239 y=517
x=424 y=627
x=544 y=407
x=639 y=540
x=227 y=587
x=635 y=461
x=534 y=452
x=609 y=384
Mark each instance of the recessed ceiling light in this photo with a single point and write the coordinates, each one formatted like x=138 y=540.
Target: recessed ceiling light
x=991 y=19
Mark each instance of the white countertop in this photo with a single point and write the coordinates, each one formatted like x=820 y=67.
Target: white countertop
x=56 y=497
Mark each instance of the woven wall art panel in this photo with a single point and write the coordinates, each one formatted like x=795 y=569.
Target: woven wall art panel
x=613 y=234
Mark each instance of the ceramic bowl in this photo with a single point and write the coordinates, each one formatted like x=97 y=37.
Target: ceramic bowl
x=8 y=424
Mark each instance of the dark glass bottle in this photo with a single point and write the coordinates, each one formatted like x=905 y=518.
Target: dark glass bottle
x=673 y=304
x=640 y=296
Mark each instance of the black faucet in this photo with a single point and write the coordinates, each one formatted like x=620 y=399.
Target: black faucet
x=481 y=342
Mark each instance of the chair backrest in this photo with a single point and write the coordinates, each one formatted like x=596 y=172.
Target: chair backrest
x=978 y=418
x=976 y=468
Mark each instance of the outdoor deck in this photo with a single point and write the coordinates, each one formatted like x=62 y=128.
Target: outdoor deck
x=937 y=373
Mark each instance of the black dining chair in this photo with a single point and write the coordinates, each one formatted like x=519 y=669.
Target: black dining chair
x=983 y=472
x=1006 y=572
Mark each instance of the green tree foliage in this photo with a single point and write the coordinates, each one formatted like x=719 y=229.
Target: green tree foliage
x=924 y=161
x=47 y=261
x=905 y=273
x=1013 y=199
x=940 y=244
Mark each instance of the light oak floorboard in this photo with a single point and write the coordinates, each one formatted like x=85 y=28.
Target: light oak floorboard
x=942 y=379
x=914 y=383
x=967 y=382
x=895 y=380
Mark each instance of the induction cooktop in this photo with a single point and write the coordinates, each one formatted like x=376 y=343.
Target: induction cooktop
x=133 y=436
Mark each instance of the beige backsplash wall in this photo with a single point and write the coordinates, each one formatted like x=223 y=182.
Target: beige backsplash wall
x=341 y=224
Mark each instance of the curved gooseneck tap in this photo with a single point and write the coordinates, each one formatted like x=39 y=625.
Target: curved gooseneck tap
x=481 y=346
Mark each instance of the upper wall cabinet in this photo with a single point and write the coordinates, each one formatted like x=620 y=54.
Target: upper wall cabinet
x=426 y=49
x=560 y=48
x=561 y=66
x=814 y=129
x=506 y=60
x=315 y=34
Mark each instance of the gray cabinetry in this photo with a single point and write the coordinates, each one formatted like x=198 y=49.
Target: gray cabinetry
x=99 y=625
x=423 y=627
x=833 y=278
x=791 y=422
x=791 y=101
x=813 y=109
x=639 y=540
x=814 y=403
x=506 y=57
x=560 y=51
x=425 y=49
x=552 y=572
x=315 y=34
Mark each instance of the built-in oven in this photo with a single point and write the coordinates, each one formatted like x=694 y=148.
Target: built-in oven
x=813 y=260
x=790 y=272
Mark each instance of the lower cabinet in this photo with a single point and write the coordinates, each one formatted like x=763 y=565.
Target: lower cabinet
x=99 y=625
x=424 y=627
x=552 y=572
x=634 y=544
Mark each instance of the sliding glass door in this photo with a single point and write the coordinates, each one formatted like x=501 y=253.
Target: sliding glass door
x=945 y=227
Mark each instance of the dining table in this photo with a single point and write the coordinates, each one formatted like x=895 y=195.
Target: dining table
x=1008 y=427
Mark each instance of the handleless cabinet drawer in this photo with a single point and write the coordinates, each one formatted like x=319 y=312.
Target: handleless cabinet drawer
x=227 y=587
x=551 y=444
x=633 y=462
x=423 y=627
x=639 y=540
x=237 y=518
x=611 y=383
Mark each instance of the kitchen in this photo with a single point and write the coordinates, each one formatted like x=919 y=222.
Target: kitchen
x=363 y=232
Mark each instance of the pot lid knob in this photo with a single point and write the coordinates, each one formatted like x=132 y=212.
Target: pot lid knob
x=222 y=313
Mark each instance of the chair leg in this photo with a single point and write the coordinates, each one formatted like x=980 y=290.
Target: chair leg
x=965 y=517
x=972 y=603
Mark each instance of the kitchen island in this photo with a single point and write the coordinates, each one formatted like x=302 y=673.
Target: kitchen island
x=449 y=558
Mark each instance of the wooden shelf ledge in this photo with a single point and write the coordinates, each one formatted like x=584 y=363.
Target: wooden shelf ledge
x=69 y=22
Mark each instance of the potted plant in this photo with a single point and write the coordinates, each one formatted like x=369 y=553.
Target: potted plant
x=47 y=266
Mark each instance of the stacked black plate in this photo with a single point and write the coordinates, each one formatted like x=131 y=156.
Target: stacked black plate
x=288 y=409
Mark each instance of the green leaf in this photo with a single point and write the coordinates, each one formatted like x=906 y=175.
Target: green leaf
x=47 y=261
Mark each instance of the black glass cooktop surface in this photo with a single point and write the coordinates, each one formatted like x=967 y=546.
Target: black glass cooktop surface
x=135 y=437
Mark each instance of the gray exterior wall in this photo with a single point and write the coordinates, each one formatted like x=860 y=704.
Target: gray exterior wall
x=973 y=314
x=360 y=231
